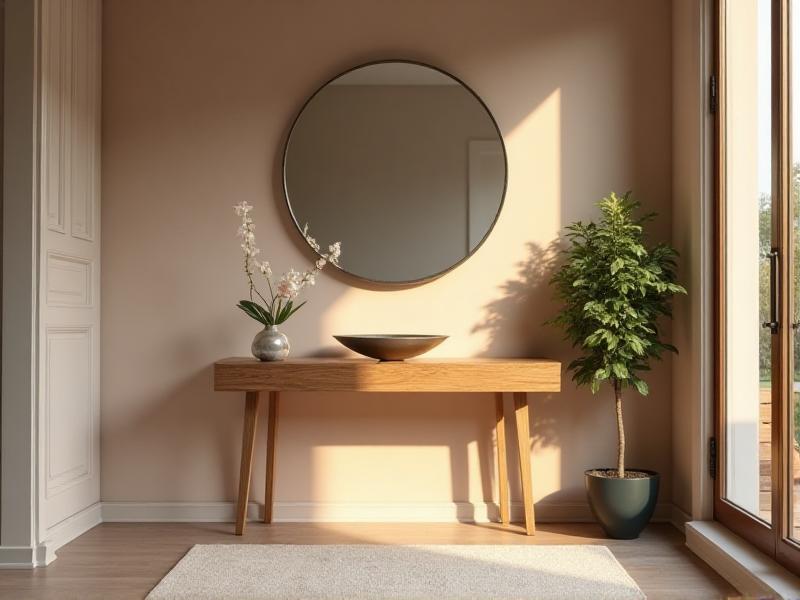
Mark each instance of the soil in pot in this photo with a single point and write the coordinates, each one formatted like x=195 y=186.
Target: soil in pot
x=614 y=474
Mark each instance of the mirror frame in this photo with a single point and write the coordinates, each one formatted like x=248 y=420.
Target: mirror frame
x=428 y=278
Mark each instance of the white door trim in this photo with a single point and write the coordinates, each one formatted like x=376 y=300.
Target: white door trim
x=702 y=484
x=18 y=439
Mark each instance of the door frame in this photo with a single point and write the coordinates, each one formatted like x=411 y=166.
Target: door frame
x=772 y=539
x=19 y=497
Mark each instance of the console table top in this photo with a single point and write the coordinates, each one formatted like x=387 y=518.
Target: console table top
x=367 y=375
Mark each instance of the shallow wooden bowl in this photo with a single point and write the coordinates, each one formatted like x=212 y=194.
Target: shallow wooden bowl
x=390 y=347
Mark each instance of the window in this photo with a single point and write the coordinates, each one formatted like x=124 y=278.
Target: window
x=758 y=274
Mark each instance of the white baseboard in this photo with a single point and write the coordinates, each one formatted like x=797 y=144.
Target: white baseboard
x=70 y=528
x=386 y=512
x=12 y=557
x=18 y=557
x=679 y=518
x=175 y=512
x=354 y=512
x=28 y=557
x=300 y=512
x=751 y=572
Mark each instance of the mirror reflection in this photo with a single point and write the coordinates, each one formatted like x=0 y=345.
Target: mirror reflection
x=402 y=163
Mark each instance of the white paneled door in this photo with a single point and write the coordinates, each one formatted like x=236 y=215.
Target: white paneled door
x=69 y=298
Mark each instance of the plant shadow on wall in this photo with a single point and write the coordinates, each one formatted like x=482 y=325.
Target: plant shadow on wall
x=526 y=303
x=514 y=326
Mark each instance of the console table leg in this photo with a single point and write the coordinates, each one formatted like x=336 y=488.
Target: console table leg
x=272 y=424
x=524 y=446
x=248 y=441
x=502 y=462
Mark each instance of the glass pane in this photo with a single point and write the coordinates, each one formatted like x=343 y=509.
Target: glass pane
x=748 y=235
x=794 y=191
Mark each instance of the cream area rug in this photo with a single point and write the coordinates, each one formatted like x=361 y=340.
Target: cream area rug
x=373 y=572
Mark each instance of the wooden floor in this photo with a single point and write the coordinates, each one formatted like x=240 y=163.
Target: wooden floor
x=125 y=560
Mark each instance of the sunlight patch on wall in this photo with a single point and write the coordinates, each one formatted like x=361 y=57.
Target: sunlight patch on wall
x=377 y=473
x=546 y=471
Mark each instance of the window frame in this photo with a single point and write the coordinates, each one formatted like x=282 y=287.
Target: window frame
x=771 y=538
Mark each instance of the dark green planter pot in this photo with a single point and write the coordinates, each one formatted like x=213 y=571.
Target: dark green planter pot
x=622 y=506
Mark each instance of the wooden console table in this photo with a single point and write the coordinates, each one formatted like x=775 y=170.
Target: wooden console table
x=517 y=376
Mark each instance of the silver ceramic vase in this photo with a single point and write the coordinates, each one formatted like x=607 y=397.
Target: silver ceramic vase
x=270 y=344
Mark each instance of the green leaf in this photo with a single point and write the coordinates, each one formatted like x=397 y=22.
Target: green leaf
x=262 y=311
x=295 y=309
x=254 y=311
x=602 y=374
x=641 y=387
x=614 y=288
x=284 y=312
x=620 y=370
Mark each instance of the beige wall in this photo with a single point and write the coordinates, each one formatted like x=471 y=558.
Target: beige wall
x=686 y=188
x=691 y=234
x=196 y=106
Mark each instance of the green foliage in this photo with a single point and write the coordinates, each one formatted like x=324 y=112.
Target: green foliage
x=272 y=316
x=614 y=290
x=765 y=245
x=764 y=248
x=796 y=420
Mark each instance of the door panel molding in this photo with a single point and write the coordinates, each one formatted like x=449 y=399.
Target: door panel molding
x=68 y=280
x=69 y=314
x=69 y=403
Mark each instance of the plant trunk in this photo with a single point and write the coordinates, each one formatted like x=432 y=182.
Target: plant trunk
x=620 y=431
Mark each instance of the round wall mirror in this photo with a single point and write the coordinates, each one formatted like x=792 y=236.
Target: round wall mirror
x=403 y=164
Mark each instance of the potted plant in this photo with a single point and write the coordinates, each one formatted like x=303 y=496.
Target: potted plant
x=277 y=304
x=615 y=291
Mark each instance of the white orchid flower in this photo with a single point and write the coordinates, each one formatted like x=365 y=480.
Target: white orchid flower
x=278 y=302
